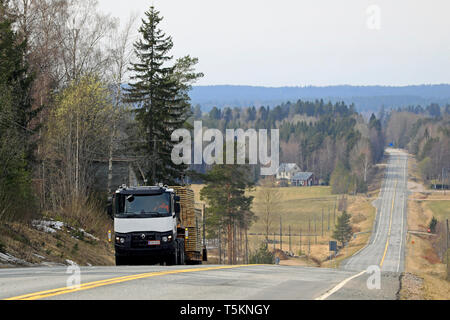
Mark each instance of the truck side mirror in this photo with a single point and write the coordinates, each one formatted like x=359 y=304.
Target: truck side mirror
x=109 y=207
x=109 y=210
x=177 y=209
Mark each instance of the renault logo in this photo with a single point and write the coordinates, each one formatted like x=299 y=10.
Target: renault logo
x=142 y=236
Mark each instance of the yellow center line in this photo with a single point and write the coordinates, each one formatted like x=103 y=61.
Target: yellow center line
x=390 y=226
x=105 y=282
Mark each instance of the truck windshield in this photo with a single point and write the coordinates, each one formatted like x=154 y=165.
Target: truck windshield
x=145 y=205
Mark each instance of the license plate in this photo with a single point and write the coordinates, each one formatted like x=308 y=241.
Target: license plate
x=154 y=243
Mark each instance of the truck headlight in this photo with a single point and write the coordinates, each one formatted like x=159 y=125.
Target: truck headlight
x=164 y=239
x=120 y=240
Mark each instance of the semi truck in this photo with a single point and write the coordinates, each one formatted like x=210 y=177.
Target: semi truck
x=157 y=224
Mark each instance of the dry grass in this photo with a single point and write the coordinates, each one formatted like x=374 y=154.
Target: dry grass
x=89 y=215
x=297 y=206
x=24 y=241
x=27 y=243
x=421 y=257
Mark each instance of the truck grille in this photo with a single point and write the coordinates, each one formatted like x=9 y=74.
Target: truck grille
x=137 y=241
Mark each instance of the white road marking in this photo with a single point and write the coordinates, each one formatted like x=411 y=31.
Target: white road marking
x=403 y=211
x=339 y=286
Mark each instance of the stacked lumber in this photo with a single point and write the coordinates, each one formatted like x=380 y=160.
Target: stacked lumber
x=187 y=202
x=190 y=218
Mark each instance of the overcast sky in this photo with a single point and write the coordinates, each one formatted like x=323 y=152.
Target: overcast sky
x=306 y=42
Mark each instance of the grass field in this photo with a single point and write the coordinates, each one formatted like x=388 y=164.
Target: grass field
x=300 y=208
x=297 y=207
x=439 y=208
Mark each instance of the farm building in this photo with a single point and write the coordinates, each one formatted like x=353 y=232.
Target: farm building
x=287 y=170
x=304 y=179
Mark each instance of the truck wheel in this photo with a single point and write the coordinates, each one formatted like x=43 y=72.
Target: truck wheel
x=181 y=256
x=172 y=260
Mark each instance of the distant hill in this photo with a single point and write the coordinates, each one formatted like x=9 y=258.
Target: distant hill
x=365 y=98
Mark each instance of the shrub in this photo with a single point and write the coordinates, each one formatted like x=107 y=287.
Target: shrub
x=89 y=215
x=262 y=256
x=433 y=224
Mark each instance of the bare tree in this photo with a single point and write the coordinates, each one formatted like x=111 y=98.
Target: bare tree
x=362 y=158
x=76 y=136
x=82 y=34
x=269 y=196
x=121 y=52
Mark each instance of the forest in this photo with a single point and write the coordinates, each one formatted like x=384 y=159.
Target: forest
x=78 y=91
x=425 y=133
x=331 y=140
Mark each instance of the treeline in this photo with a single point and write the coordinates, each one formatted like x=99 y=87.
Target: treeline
x=432 y=110
x=424 y=132
x=64 y=108
x=331 y=140
x=268 y=118
x=367 y=99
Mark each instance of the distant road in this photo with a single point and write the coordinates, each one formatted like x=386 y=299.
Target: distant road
x=387 y=244
x=254 y=282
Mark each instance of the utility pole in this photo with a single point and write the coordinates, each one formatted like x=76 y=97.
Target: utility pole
x=220 y=245
x=322 y=222
x=274 y=240
x=448 y=274
x=246 y=247
x=290 y=246
x=234 y=253
x=281 y=236
x=328 y=219
x=315 y=229
x=309 y=246
x=300 y=241
x=309 y=236
x=444 y=182
x=204 y=226
x=334 y=214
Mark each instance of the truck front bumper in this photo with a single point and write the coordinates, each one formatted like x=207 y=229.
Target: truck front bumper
x=137 y=244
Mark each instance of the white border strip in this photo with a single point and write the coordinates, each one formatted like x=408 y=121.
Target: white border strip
x=339 y=286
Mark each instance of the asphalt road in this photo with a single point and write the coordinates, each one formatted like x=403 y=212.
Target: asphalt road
x=386 y=247
x=386 y=250
x=246 y=282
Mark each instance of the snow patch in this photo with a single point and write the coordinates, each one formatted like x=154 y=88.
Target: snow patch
x=47 y=226
x=86 y=234
x=38 y=256
x=6 y=257
x=71 y=263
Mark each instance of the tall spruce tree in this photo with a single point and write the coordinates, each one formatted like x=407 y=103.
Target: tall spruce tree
x=16 y=114
x=16 y=79
x=159 y=90
x=343 y=231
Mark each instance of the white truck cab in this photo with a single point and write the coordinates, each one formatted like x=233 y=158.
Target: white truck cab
x=145 y=225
